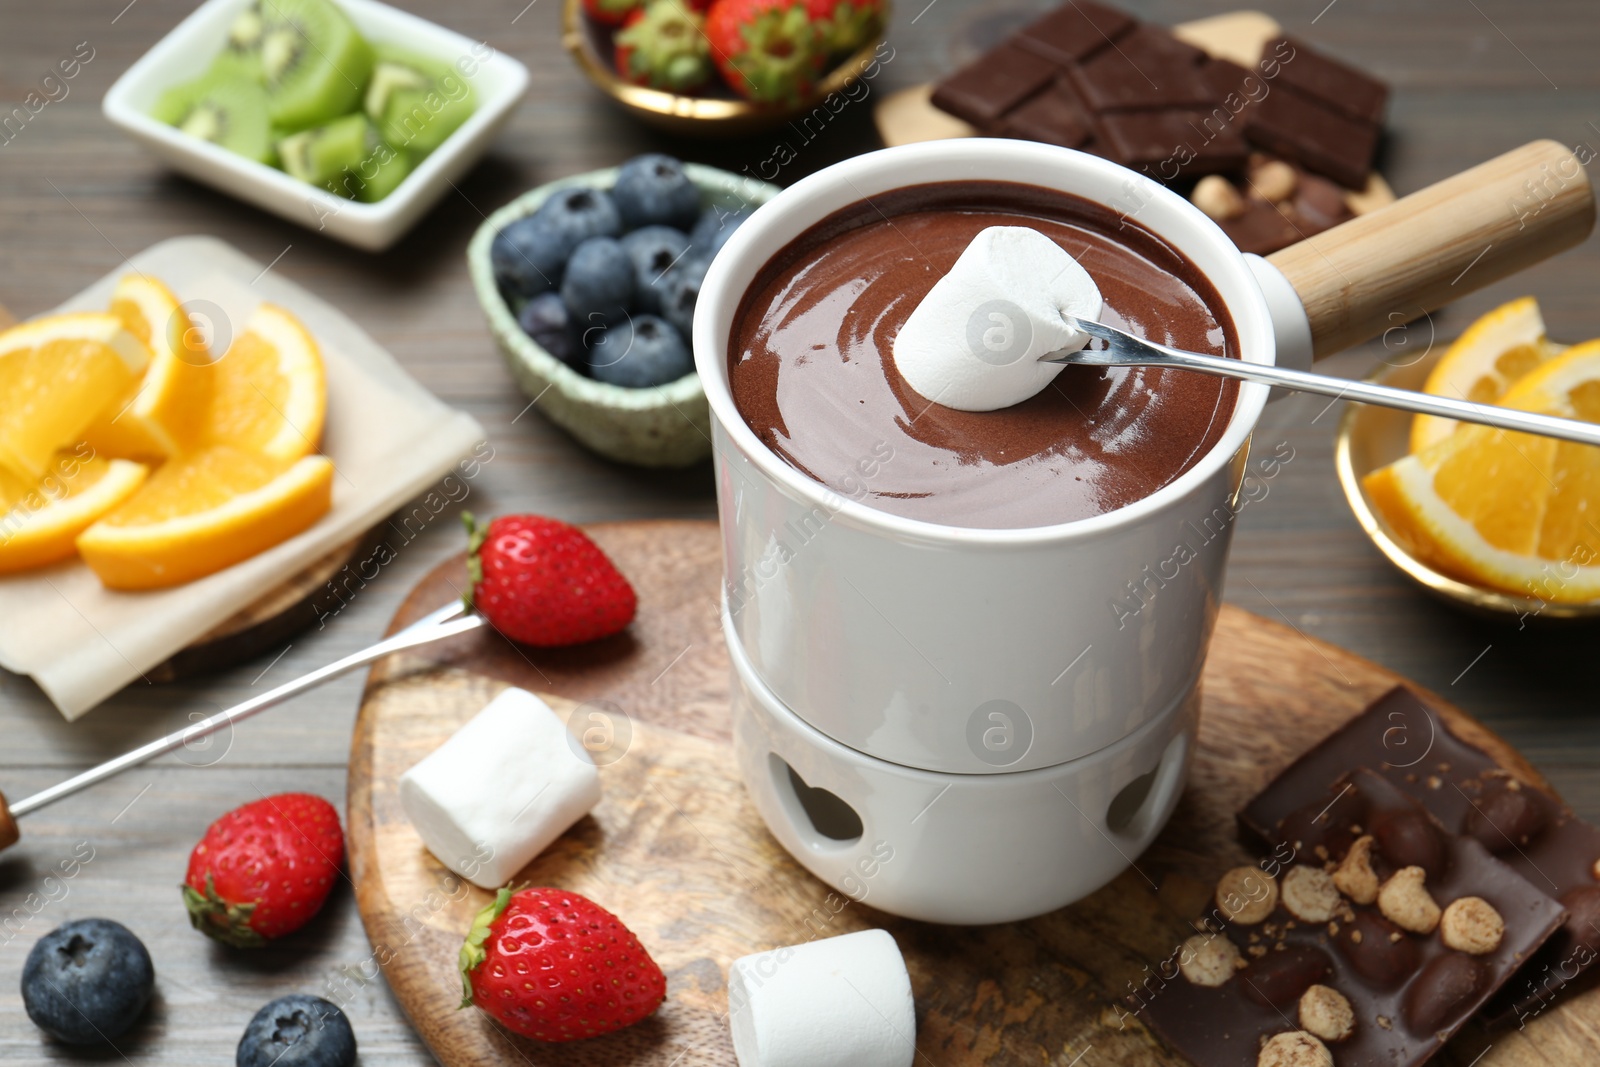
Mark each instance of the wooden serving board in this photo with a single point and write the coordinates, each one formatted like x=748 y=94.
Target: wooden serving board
x=676 y=849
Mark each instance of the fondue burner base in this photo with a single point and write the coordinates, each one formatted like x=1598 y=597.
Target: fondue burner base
x=960 y=849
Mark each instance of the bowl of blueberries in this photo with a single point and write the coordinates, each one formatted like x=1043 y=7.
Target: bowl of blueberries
x=590 y=285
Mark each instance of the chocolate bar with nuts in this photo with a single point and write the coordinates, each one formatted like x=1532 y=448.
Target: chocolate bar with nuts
x=1461 y=785
x=1368 y=939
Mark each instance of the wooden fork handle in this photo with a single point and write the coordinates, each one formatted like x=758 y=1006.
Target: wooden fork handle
x=1384 y=269
x=9 y=834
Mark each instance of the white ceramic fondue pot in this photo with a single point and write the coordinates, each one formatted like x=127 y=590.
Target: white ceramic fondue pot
x=1009 y=713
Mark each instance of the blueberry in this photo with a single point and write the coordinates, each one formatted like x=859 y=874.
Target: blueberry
x=598 y=287
x=640 y=352
x=575 y=214
x=525 y=262
x=654 y=190
x=545 y=319
x=297 y=1031
x=655 y=251
x=86 y=982
x=716 y=225
x=677 y=304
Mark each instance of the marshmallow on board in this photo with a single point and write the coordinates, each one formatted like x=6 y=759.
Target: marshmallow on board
x=840 y=1002
x=974 y=342
x=500 y=789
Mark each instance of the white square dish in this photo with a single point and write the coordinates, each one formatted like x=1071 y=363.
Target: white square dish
x=184 y=54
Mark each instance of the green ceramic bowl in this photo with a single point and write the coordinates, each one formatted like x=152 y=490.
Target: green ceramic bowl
x=663 y=426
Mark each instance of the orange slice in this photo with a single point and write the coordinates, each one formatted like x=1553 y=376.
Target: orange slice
x=1507 y=510
x=269 y=392
x=40 y=520
x=56 y=374
x=164 y=412
x=1484 y=363
x=205 y=511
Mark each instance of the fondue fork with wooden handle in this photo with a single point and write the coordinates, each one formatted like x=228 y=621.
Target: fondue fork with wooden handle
x=447 y=621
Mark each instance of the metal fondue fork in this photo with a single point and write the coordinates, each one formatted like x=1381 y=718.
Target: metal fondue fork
x=445 y=622
x=1125 y=350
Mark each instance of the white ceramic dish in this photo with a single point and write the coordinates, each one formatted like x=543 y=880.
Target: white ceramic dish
x=498 y=81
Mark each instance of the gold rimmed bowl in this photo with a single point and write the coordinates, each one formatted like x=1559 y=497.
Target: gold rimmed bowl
x=1370 y=437
x=718 y=113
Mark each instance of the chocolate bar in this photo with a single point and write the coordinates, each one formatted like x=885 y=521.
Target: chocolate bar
x=1464 y=788
x=1089 y=77
x=1373 y=945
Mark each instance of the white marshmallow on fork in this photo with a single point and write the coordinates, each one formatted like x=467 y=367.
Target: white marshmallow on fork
x=502 y=788
x=839 y=1002
x=974 y=342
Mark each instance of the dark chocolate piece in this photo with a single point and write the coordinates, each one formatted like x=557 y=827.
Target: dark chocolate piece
x=1408 y=991
x=1054 y=116
x=1459 y=784
x=1074 y=31
x=1308 y=132
x=1344 y=88
x=1171 y=144
x=1147 y=69
x=993 y=84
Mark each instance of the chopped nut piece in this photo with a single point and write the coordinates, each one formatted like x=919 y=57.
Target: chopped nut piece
x=1471 y=925
x=1209 y=960
x=1434 y=781
x=1247 y=895
x=1274 y=181
x=1385 y=1022
x=1595 y=870
x=1326 y=1013
x=1355 y=877
x=1296 y=1048
x=1309 y=894
x=1257 y=951
x=1216 y=196
x=1405 y=901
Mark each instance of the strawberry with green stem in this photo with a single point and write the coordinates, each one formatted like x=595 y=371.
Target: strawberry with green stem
x=555 y=966
x=769 y=51
x=542 y=582
x=663 y=45
x=263 y=870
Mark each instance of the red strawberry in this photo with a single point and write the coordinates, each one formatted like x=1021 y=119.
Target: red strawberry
x=769 y=50
x=611 y=12
x=542 y=582
x=846 y=24
x=263 y=870
x=664 y=46
x=555 y=966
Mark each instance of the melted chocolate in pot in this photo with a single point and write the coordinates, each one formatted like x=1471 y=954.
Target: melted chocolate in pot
x=812 y=369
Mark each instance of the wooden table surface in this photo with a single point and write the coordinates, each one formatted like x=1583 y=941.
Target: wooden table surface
x=1472 y=78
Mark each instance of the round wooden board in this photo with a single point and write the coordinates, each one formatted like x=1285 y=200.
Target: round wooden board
x=676 y=849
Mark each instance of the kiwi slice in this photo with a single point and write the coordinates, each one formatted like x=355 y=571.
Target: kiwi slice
x=313 y=61
x=225 y=109
x=416 y=102
x=346 y=157
x=241 y=53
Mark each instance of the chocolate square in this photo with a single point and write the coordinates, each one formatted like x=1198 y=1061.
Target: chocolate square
x=1147 y=69
x=1074 y=31
x=1054 y=116
x=1261 y=228
x=993 y=84
x=1306 y=132
x=1172 y=144
x=1341 y=87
